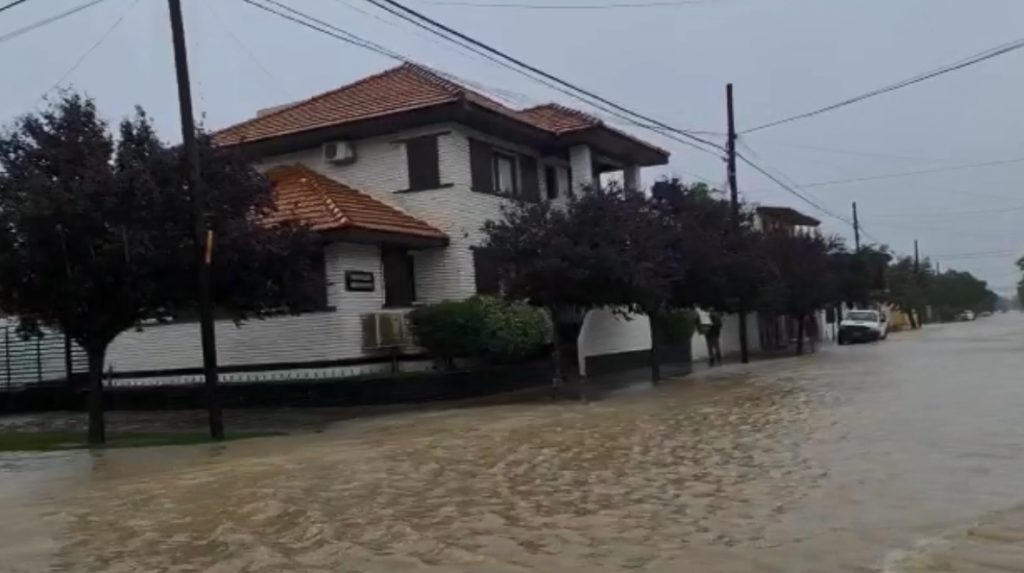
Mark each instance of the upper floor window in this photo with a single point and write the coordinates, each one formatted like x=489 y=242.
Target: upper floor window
x=556 y=181
x=503 y=172
x=423 y=163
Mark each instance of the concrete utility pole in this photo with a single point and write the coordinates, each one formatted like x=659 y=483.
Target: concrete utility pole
x=917 y=260
x=856 y=229
x=203 y=236
x=735 y=199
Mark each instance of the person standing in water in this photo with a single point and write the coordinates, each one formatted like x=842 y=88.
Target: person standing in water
x=713 y=335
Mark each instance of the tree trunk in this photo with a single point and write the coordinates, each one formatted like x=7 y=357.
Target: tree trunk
x=655 y=355
x=800 y=335
x=912 y=316
x=97 y=425
x=558 y=378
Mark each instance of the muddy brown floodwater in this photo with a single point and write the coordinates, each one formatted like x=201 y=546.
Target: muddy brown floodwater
x=904 y=456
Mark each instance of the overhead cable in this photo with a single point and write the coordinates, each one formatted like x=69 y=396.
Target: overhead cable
x=10 y=5
x=46 y=21
x=445 y=31
x=952 y=67
x=555 y=6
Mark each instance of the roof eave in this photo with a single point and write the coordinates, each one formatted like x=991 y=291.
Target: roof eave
x=617 y=145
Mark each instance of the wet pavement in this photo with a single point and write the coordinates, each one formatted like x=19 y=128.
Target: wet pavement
x=903 y=456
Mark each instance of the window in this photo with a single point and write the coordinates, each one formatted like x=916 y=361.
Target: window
x=315 y=285
x=503 y=173
x=505 y=181
x=399 y=277
x=304 y=286
x=556 y=179
x=486 y=270
x=551 y=182
x=423 y=164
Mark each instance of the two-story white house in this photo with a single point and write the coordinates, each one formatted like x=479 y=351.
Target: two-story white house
x=398 y=172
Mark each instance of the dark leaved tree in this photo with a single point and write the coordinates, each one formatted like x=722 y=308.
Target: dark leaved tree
x=561 y=259
x=907 y=288
x=804 y=282
x=95 y=233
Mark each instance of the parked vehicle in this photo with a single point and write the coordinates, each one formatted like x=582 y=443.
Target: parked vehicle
x=966 y=316
x=863 y=326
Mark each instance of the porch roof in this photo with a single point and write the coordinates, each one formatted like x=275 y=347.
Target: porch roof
x=329 y=206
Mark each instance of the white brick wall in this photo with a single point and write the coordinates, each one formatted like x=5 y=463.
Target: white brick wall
x=604 y=332
x=326 y=335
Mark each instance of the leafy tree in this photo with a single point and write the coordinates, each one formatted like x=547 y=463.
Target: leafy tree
x=548 y=257
x=953 y=292
x=907 y=288
x=96 y=233
x=860 y=276
x=804 y=281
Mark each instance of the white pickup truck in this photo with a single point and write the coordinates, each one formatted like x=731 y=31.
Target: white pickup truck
x=863 y=326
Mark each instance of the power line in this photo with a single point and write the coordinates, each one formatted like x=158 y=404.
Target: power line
x=85 y=55
x=791 y=190
x=10 y=5
x=45 y=21
x=437 y=28
x=781 y=180
x=929 y=215
x=913 y=173
x=977 y=255
x=859 y=153
x=326 y=28
x=595 y=6
x=969 y=61
x=278 y=84
x=333 y=31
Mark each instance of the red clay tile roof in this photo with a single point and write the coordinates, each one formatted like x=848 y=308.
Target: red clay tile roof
x=400 y=89
x=558 y=118
x=327 y=205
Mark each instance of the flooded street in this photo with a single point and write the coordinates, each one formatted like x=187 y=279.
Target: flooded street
x=904 y=456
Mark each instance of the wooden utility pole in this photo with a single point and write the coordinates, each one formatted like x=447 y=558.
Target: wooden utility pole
x=856 y=229
x=203 y=237
x=735 y=201
x=917 y=260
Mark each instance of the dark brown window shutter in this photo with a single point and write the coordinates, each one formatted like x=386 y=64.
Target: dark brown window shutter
x=531 y=182
x=485 y=267
x=480 y=166
x=424 y=170
x=399 y=277
x=551 y=181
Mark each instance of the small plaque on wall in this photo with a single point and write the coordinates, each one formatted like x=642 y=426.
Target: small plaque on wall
x=359 y=281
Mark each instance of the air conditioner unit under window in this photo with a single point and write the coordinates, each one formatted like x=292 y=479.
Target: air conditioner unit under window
x=384 y=330
x=339 y=152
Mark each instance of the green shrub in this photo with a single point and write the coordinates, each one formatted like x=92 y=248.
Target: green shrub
x=449 y=330
x=676 y=326
x=496 y=329
x=513 y=331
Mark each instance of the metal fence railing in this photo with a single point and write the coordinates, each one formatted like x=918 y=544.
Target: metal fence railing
x=44 y=360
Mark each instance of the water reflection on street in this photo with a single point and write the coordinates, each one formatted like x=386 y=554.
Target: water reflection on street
x=901 y=456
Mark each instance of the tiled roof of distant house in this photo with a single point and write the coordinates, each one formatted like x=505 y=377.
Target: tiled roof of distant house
x=405 y=88
x=327 y=205
x=788 y=216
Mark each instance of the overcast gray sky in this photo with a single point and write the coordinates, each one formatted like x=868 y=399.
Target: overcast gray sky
x=671 y=62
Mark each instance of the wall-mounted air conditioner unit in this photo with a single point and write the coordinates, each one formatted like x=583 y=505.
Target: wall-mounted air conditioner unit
x=383 y=330
x=339 y=152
